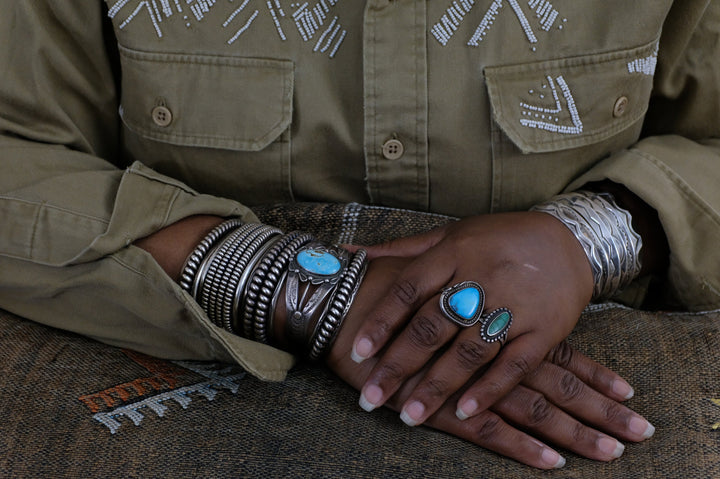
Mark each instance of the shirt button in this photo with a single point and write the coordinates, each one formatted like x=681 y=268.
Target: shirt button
x=393 y=149
x=161 y=116
x=620 y=106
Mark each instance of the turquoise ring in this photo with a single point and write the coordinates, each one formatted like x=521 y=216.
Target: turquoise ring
x=463 y=303
x=495 y=325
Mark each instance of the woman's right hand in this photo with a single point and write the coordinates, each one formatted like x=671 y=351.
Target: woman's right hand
x=569 y=401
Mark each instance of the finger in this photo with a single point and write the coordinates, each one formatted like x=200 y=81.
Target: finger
x=571 y=394
x=531 y=411
x=412 y=349
x=516 y=360
x=591 y=373
x=454 y=368
x=413 y=287
x=488 y=430
x=409 y=246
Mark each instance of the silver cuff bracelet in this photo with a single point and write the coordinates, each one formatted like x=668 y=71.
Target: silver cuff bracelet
x=606 y=234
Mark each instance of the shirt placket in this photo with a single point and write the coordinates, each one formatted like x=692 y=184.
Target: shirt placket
x=396 y=106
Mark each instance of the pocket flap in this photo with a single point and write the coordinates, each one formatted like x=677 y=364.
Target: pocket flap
x=206 y=101
x=568 y=103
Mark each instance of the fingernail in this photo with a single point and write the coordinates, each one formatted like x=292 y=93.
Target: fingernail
x=370 y=397
x=611 y=447
x=464 y=411
x=412 y=413
x=361 y=350
x=641 y=427
x=623 y=389
x=553 y=459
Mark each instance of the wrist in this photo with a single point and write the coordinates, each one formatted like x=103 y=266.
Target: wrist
x=171 y=245
x=283 y=289
x=605 y=232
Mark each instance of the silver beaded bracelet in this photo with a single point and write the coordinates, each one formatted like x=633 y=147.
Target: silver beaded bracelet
x=237 y=271
x=606 y=234
x=192 y=263
x=338 y=307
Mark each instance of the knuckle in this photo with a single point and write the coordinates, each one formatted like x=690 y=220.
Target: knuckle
x=540 y=411
x=579 y=433
x=391 y=371
x=405 y=292
x=486 y=430
x=494 y=389
x=436 y=388
x=383 y=326
x=425 y=332
x=518 y=367
x=611 y=411
x=470 y=355
x=570 y=387
x=562 y=355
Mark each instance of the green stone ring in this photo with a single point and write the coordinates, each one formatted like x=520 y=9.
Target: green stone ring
x=495 y=325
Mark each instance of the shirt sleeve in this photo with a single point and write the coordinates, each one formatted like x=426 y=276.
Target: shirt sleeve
x=675 y=168
x=71 y=211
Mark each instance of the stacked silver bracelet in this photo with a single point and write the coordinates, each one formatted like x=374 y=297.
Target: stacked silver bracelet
x=606 y=234
x=237 y=271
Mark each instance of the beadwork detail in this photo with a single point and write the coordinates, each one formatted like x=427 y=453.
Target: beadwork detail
x=547 y=16
x=548 y=118
x=314 y=23
x=645 y=66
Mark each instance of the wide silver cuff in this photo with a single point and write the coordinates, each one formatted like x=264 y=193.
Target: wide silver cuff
x=606 y=234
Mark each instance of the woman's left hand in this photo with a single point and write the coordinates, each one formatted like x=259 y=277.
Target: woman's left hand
x=527 y=262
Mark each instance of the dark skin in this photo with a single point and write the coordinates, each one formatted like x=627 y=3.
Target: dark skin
x=561 y=396
x=526 y=261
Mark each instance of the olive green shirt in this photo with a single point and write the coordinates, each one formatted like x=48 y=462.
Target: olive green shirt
x=118 y=118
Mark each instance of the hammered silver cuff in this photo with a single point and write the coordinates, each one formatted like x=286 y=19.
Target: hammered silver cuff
x=606 y=234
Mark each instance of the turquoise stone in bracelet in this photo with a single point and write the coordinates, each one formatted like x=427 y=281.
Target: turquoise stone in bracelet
x=318 y=262
x=463 y=303
x=496 y=325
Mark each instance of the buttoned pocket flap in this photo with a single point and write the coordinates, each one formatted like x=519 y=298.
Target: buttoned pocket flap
x=206 y=101
x=569 y=103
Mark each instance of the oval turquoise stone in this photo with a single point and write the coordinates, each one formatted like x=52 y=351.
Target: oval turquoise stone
x=318 y=262
x=498 y=324
x=465 y=303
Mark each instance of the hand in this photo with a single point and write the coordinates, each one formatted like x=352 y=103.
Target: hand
x=527 y=262
x=558 y=402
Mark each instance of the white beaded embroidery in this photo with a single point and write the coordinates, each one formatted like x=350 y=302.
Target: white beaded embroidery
x=450 y=21
x=309 y=21
x=549 y=118
x=448 y=25
x=245 y=25
x=645 y=66
x=545 y=12
x=313 y=22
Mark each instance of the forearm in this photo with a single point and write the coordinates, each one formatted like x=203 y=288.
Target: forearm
x=171 y=245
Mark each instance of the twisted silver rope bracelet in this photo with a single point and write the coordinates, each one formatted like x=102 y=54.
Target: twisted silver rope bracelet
x=237 y=272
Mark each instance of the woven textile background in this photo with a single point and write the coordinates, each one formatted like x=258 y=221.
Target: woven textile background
x=72 y=407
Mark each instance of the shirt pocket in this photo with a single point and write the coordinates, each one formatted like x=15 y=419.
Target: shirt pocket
x=205 y=118
x=554 y=119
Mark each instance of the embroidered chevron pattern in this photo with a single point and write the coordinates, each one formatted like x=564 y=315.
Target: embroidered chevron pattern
x=449 y=23
x=548 y=119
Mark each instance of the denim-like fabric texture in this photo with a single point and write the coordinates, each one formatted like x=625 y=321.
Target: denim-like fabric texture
x=72 y=407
